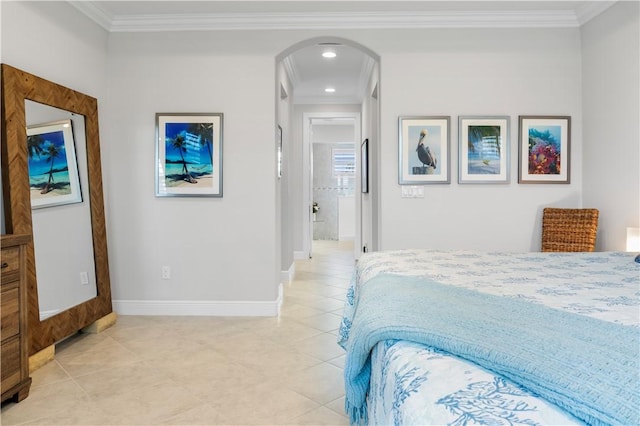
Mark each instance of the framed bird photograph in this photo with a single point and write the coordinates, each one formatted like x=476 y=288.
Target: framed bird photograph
x=483 y=149
x=544 y=149
x=189 y=155
x=424 y=150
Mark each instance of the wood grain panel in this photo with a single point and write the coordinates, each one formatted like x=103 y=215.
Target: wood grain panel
x=17 y=86
x=10 y=317
x=10 y=360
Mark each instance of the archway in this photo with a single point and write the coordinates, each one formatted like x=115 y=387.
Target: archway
x=294 y=203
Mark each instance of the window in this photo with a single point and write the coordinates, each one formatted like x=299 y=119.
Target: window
x=344 y=162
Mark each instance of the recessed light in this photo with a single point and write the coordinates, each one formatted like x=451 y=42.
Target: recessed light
x=329 y=90
x=328 y=54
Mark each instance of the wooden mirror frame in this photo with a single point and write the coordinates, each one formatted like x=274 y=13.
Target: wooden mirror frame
x=18 y=86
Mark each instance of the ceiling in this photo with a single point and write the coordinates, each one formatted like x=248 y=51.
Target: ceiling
x=348 y=72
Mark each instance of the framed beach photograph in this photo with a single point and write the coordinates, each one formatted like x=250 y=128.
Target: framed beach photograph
x=53 y=169
x=544 y=149
x=364 y=166
x=423 y=150
x=483 y=149
x=189 y=155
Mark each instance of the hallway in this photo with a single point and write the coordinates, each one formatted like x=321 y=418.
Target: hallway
x=206 y=370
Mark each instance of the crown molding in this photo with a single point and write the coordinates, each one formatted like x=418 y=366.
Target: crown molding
x=341 y=20
x=291 y=70
x=591 y=9
x=363 y=78
x=95 y=12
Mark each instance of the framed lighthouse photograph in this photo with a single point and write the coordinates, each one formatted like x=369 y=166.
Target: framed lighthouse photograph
x=423 y=150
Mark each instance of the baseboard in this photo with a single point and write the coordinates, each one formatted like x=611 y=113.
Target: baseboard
x=47 y=314
x=287 y=276
x=199 y=308
x=300 y=255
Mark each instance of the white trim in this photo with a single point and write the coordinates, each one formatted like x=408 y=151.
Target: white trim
x=300 y=255
x=93 y=10
x=280 y=299
x=290 y=69
x=590 y=9
x=47 y=314
x=287 y=276
x=338 y=20
x=200 y=307
x=307 y=192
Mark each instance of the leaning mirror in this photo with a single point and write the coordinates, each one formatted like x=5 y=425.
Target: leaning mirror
x=60 y=208
x=52 y=190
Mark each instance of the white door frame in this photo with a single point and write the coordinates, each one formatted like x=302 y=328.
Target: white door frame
x=307 y=177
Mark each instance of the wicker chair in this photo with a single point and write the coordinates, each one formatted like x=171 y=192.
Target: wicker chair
x=569 y=229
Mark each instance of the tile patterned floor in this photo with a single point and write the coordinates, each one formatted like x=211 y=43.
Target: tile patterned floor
x=204 y=370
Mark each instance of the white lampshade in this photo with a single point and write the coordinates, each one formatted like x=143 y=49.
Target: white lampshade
x=633 y=239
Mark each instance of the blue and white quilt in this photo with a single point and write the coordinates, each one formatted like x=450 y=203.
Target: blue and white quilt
x=411 y=383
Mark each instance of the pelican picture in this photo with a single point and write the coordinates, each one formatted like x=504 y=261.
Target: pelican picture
x=425 y=155
x=424 y=150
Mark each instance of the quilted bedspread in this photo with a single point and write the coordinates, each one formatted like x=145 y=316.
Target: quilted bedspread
x=417 y=384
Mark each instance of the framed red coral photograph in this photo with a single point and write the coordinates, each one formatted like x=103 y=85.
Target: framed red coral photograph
x=544 y=149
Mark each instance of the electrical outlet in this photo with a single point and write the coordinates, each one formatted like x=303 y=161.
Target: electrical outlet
x=84 y=278
x=166 y=272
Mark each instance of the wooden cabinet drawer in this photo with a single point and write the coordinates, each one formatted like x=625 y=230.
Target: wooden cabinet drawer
x=10 y=261
x=9 y=313
x=10 y=359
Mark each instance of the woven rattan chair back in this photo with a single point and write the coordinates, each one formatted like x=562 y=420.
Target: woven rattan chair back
x=569 y=230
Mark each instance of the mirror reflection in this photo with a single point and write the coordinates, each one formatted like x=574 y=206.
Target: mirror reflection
x=61 y=215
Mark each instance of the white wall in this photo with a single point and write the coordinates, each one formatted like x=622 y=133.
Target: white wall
x=223 y=252
x=56 y=42
x=367 y=233
x=476 y=72
x=611 y=98
x=285 y=184
x=53 y=40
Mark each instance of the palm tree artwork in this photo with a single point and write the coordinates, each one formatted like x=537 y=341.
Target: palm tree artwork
x=484 y=150
x=48 y=167
x=34 y=145
x=205 y=132
x=51 y=153
x=179 y=143
x=188 y=153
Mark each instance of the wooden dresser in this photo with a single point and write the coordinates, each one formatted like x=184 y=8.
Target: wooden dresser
x=13 y=318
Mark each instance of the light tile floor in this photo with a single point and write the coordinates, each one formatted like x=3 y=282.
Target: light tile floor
x=206 y=370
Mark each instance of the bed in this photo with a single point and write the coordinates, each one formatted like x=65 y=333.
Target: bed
x=460 y=337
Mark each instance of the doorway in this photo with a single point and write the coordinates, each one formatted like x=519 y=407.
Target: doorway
x=301 y=111
x=329 y=142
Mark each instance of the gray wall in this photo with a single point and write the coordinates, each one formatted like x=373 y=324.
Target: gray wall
x=611 y=125
x=224 y=251
x=58 y=43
